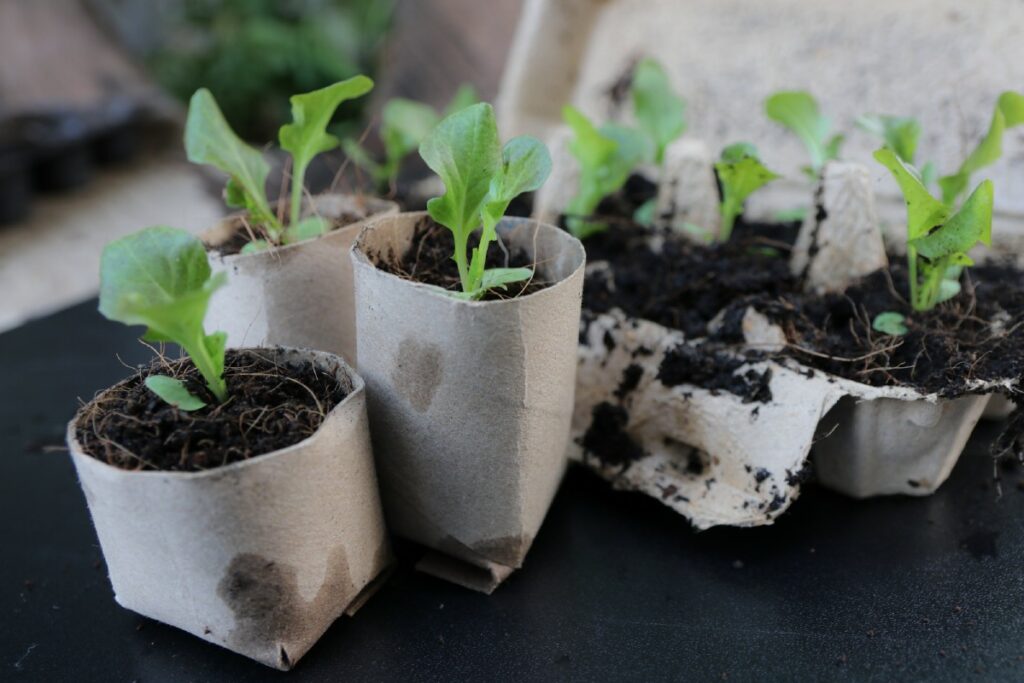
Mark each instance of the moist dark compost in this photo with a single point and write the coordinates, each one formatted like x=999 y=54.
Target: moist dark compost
x=685 y=285
x=704 y=291
x=272 y=403
x=246 y=233
x=429 y=261
x=976 y=336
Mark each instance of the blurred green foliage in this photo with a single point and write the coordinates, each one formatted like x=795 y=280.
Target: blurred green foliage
x=254 y=54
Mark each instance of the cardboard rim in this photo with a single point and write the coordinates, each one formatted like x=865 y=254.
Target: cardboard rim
x=362 y=260
x=232 y=223
x=322 y=358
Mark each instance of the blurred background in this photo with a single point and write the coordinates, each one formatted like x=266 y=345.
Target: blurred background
x=93 y=96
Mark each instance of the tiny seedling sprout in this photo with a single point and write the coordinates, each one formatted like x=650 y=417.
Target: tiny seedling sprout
x=798 y=111
x=404 y=125
x=740 y=173
x=160 y=277
x=481 y=179
x=210 y=140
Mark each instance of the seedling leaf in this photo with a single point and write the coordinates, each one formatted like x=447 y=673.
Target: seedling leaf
x=937 y=243
x=404 y=125
x=660 y=113
x=306 y=229
x=1009 y=112
x=740 y=173
x=464 y=97
x=160 y=278
x=254 y=247
x=606 y=157
x=891 y=323
x=306 y=136
x=481 y=178
x=964 y=229
x=924 y=211
x=210 y=140
x=900 y=133
x=799 y=112
x=499 y=277
x=174 y=391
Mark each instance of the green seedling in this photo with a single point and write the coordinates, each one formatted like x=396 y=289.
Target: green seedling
x=660 y=114
x=160 y=277
x=481 y=178
x=606 y=156
x=210 y=140
x=740 y=174
x=901 y=135
x=938 y=238
x=404 y=125
x=799 y=112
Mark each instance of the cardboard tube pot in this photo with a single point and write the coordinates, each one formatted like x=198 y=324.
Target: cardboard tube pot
x=297 y=295
x=470 y=402
x=258 y=556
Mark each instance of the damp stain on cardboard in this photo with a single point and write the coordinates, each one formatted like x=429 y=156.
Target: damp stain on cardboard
x=272 y=620
x=417 y=372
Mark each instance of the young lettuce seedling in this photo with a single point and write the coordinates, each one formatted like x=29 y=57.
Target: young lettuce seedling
x=159 y=277
x=481 y=178
x=938 y=238
x=740 y=173
x=210 y=140
x=799 y=112
x=660 y=114
x=404 y=125
x=606 y=156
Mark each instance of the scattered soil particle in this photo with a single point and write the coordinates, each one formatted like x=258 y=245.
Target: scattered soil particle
x=630 y=379
x=273 y=403
x=607 y=439
x=802 y=475
x=429 y=260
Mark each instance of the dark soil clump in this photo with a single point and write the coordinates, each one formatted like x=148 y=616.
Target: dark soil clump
x=607 y=439
x=716 y=371
x=429 y=261
x=273 y=403
x=685 y=285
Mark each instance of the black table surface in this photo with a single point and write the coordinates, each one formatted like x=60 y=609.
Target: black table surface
x=616 y=586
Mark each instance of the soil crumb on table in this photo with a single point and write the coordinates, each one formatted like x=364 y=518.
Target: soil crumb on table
x=273 y=402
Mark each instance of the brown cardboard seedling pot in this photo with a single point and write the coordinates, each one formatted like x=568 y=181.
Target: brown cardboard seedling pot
x=259 y=556
x=297 y=295
x=470 y=402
